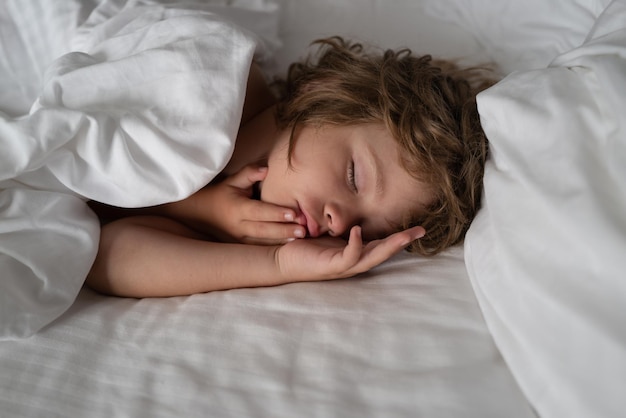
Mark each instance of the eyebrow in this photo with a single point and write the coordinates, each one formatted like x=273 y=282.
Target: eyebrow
x=375 y=164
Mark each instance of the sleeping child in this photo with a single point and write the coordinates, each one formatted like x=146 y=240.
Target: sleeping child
x=356 y=155
x=362 y=155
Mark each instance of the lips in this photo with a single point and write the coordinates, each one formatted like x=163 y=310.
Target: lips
x=311 y=225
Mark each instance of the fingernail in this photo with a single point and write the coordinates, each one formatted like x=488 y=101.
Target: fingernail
x=262 y=169
x=299 y=233
x=289 y=217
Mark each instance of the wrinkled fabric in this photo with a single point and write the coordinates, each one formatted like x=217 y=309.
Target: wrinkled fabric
x=546 y=252
x=146 y=113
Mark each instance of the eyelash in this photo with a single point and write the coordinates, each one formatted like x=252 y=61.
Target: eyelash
x=351 y=180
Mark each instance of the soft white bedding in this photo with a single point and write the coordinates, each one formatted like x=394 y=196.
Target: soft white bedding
x=143 y=110
x=547 y=253
x=408 y=339
x=522 y=35
x=405 y=340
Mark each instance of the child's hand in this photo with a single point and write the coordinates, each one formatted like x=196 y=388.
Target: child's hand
x=332 y=258
x=237 y=217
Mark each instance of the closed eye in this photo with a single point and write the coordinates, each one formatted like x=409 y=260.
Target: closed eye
x=351 y=179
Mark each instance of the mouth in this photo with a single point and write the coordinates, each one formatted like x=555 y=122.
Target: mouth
x=311 y=226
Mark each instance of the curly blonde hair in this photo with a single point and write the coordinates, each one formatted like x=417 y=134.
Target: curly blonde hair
x=428 y=105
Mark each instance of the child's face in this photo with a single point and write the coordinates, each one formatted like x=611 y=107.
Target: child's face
x=341 y=176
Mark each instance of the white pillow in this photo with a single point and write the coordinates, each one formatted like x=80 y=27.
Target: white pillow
x=400 y=23
x=522 y=35
x=547 y=252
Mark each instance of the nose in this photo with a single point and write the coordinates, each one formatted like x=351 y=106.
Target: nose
x=339 y=218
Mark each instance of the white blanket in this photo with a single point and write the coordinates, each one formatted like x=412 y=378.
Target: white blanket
x=144 y=111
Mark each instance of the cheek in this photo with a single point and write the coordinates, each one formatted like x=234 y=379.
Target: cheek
x=275 y=187
x=267 y=190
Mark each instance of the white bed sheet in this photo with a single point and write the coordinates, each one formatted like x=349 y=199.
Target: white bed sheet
x=405 y=340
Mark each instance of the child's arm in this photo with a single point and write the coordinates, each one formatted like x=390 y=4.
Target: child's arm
x=225 y=211
x=154 y=256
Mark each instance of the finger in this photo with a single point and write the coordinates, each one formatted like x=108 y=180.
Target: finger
x=411 y=234
x=247 y=176
x=351 y=254
x=274 y=231
x=258 y=211
x=379 y=251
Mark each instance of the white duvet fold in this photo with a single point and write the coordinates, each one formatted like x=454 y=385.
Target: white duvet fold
x=148 y=114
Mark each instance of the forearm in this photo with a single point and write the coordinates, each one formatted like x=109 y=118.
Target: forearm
x=164 y=258
x=157 y=256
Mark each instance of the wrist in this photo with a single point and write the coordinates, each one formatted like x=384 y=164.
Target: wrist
x=274 y=255
x=289 y=267
x=192 y=212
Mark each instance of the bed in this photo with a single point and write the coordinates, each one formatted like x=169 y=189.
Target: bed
x=524 y=319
